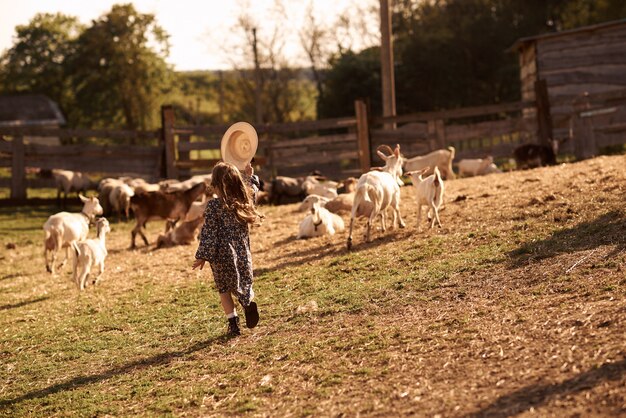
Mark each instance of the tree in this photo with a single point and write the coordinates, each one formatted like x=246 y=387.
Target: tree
x=119 y=71
x=37 y=61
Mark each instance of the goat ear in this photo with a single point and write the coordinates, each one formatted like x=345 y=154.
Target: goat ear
x=381 y=155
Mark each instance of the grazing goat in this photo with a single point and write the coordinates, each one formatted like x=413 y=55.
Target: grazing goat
x=441 y=158
x=70 y=181
x=320 y=221
x=183 y=234
x=89 y=254
x=63 y=228
x=533 y=155
x=428 y=192
x=474 y=167
x=378 y=190
x=119 y=198
x=159 y=205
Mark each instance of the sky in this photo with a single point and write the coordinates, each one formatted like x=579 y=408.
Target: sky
x=201 y=32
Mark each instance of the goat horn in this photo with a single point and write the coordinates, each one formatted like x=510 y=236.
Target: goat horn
x=386 y=148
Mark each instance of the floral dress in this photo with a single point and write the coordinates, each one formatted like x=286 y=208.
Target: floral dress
x=225 y=244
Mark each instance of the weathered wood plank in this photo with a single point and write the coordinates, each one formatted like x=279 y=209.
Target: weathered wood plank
x=18 y=169
x=586 y=77
x=108 y=151
x=78 y=133
x=200 y=145
x=457 y=113
x=315 y=140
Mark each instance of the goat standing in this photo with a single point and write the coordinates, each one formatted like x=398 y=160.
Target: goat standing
x=428 y=192
x=378 y=190
x=89 y=254
x=63 y=228
x=160 y=205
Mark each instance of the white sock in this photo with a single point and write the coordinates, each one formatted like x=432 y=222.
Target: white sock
x=231 y=315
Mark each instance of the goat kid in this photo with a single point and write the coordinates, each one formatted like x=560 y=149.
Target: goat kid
x=90 y=253
x=474 y=167
x=428 y=192
x=64 y=228
x=378 y=190
x=320 y=221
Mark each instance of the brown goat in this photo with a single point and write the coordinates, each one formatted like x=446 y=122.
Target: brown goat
x=159 y=205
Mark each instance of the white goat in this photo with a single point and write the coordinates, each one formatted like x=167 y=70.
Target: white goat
x=119 y=198
x=441 y=158
x=474 y=167
x=320 y=221
x=378 y=190
x=429 y=192
x=63 y=228
x=196 y=210
x=89 y=254
x=308 y=201
x=67 y=181
x=312 y=185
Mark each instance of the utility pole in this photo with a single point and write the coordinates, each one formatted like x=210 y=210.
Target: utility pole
x=386 y=63
x=257 y=79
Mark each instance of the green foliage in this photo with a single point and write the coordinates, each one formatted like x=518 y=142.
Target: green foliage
x=37 y=60
x=119 y=72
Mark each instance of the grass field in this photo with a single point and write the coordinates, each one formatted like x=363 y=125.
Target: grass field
x=516 y=307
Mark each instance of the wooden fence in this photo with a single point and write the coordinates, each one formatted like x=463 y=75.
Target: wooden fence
x=337 y=147
x=145 y=161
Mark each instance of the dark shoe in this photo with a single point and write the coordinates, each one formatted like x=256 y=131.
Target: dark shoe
x=252 y=315
x=233 y=326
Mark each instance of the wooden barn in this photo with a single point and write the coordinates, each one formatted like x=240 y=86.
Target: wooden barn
x=585 y=73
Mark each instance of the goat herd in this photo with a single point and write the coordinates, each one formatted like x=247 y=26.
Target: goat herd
x=181 y=204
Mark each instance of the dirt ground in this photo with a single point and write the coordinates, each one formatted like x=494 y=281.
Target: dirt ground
x=516 y=307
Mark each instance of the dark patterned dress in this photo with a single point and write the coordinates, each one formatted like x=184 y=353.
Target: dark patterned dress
x=225 y=244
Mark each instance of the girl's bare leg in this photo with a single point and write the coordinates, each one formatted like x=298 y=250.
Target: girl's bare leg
x=227 y=303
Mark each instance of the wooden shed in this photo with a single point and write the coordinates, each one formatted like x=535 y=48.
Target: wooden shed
x=31 y=110
x=582 y=68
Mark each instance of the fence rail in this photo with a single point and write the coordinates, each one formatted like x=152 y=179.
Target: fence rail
x=338 y=147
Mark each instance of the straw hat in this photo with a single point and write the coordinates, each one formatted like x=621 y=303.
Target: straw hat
x=239 y=144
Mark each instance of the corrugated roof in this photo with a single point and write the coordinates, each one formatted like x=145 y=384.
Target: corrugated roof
x=518 y=44
x=29 y=110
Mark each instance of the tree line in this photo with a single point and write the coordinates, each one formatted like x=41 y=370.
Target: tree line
x=113 y=72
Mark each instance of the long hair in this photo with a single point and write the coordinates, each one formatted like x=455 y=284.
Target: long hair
x=227 y=181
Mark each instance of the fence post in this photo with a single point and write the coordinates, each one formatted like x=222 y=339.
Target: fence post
x=183 y=155
x=544 y=119
x=167 y=136
x=363 y=135
x=18 y=172
x=582 y=129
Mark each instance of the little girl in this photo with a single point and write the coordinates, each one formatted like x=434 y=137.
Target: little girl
x=225 y=241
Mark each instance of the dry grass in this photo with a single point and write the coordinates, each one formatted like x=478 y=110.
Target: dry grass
x=516 y=307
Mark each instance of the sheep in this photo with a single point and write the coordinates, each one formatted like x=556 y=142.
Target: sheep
x=89 y=254
x=474 y=167
x=490 y=169
x=286 y=187
x=159 y=205
x=105 y=187
x=183 y=234
x=533 y=155
x=320 y=221
x=67 y=181
x=429 y=192
x=347 y=186
x=175 y=185
x=312 y=185
x=308 y=201
x=441 y=158
x=140 y=185
x=119 y=198
x=63 y=228
x=342 y=203
x=378 y=190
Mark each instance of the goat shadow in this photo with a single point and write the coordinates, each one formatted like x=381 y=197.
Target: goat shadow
x=23 y=303
x=607 y=229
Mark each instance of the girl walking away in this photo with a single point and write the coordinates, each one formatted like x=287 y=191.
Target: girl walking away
x=225 y=241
